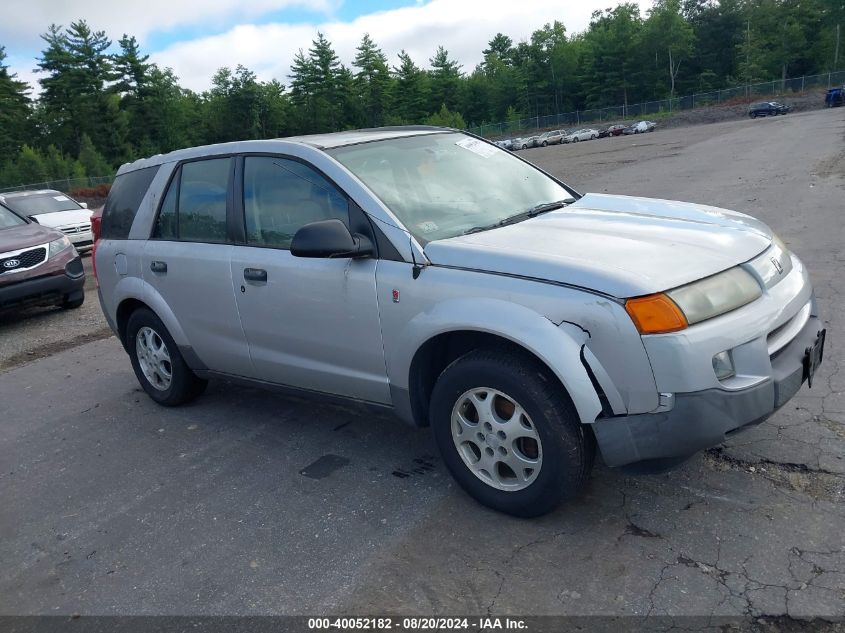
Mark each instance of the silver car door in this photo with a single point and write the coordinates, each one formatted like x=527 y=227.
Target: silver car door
x=186 y=262
x=310 y=323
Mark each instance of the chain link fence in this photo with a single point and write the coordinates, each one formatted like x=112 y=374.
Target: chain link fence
x=724 y=96
x=65 y=185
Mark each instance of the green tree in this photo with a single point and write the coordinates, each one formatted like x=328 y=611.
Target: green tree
x=15 y=114
x=30 y=166
x=671 y=39
x=445 y=80
x=446 y=118
x=91 y=160
x=316 y=87
x=73 y=100
x=372 y=81
x=410 y=92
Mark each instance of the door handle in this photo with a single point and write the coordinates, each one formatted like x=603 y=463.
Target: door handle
x=158 y=267
x=255 y=274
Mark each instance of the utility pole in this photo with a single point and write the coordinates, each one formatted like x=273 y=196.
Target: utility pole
x=747 y=54
x=836 y=51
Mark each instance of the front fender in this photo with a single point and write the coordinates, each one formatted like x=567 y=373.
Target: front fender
x=558 y=347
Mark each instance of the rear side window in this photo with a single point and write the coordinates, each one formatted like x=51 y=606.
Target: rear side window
x=124 y=199
x=194 y=207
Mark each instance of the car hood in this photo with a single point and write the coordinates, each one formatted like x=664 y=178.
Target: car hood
x=24 y=236
x=617 y=245
x=63 y=218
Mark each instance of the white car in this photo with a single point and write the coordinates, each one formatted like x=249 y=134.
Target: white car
x=585 y=134
x=55 y=210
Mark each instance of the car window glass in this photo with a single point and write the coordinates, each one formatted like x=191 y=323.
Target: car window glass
x=202 y=200
x=165 y=227
x=281 y=196
x=125 y=197
x=52 y=202
x=9 y=219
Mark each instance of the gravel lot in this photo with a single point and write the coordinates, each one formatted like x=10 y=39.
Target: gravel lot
x=112 y=505
x=39 y=332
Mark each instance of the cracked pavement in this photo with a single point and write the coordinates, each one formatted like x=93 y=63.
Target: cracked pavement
x=112 y=505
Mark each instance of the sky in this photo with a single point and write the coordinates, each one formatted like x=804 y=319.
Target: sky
x=196 y=38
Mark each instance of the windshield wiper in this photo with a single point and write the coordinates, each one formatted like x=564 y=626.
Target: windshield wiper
x=522 y=215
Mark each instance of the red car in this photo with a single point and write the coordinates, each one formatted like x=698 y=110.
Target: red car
x=38 y=265
x=613 y=130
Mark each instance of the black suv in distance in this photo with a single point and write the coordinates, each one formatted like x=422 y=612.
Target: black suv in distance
x=767 y=108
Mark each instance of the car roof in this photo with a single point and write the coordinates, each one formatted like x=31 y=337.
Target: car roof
x=318 y=141
x=36 y=193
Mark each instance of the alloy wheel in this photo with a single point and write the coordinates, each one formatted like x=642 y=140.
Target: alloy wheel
x=496 y=439
x=154 y=358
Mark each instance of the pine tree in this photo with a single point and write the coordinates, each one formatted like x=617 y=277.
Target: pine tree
x=15 y=124
x=410 y=91
x=372 y=81
x=445 y=80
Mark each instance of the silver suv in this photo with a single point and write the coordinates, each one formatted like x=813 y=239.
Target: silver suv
x=434 y=274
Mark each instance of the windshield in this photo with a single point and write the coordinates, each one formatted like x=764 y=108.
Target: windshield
x=9 y=219
x=443 y=185
x=42 y=203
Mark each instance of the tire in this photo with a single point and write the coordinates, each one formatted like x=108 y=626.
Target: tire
x=183 y=385
x=73 y=304
x=563 y=449
x=753 y=115
x=545 y=143
x=524 y=147
x=575 y=140
x=592 y=137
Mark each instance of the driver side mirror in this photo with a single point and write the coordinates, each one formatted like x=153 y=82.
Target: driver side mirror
x=329 y=239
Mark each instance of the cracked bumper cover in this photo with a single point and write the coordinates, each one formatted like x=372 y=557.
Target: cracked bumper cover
x=702 y=419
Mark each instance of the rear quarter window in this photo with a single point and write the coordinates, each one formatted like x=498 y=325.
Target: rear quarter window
x=124 y=199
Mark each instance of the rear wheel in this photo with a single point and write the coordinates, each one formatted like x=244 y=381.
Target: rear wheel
x=509 y=434
x=157 y=362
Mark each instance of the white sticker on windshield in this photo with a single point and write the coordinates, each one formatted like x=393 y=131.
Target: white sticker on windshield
x=60 y=198
x=481 y=148
x=427 y=227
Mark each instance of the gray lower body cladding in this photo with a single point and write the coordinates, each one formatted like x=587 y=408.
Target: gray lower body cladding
x=703 y=419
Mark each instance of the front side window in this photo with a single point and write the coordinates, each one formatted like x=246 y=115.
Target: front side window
x=194 y=207
x=282 y=195
x=443 y=185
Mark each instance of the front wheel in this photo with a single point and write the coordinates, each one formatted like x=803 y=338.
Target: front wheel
x=545 y=143
x=157 y=362
x=593 y=137
x=509 y=434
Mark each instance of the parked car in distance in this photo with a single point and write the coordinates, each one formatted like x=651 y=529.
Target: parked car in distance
x=640 y=127
x=584 y=134
x=552 y=137
x=612 y=130
x=504 y=143
x=835 y=97
x=437 y=276
x=55 y=210
x=767 y=108
x=96 y=223
x=38 y=265
x=525 y=142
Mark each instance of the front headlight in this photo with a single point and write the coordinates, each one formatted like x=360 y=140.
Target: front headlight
x=58 y=246
x=710 y=297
